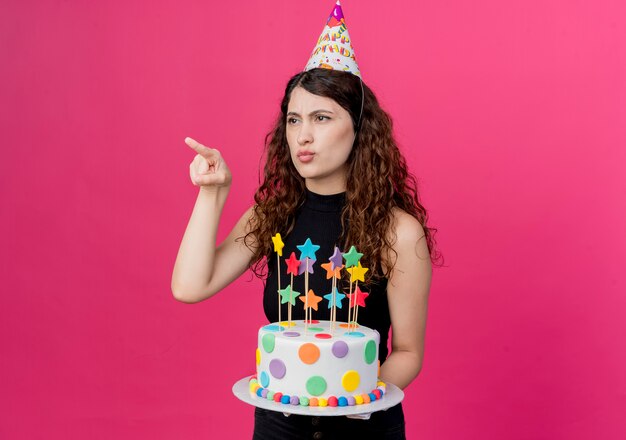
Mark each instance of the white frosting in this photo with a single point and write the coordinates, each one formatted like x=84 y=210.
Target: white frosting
x=328 y=366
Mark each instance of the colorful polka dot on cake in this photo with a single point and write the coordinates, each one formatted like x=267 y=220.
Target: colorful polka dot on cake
x=340 y=349
x=370 y=352
x=316 y=385
x=273 y=328
x=350 y=380
x=268 y=341
x=277 y=368
x=309 y=353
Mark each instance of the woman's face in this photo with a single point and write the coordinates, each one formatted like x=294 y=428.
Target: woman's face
x=320 y=136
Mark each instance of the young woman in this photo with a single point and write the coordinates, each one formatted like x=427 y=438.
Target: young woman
x=333 y=173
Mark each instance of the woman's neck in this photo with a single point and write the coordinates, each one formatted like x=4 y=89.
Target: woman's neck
x=326 y=186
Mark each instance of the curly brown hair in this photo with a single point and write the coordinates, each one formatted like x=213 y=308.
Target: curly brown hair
x=377 y=178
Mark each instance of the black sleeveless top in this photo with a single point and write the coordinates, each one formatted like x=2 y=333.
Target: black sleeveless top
x=320 y=220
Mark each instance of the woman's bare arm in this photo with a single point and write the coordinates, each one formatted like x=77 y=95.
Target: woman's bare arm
x=202 y=269
x=407 y=293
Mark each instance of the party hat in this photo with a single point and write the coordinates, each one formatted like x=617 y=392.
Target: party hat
x=334 y=49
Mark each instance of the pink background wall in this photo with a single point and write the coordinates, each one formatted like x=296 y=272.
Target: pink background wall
x=512 y=114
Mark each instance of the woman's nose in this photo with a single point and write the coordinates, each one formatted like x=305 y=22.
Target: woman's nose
x=305 y=135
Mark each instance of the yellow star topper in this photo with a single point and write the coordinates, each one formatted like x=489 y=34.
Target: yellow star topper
x=357 y=272
x=278 y=244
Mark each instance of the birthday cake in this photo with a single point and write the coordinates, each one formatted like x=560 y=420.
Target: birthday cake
x=317 y=364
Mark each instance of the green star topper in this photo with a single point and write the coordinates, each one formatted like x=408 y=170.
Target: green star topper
x=288 y=295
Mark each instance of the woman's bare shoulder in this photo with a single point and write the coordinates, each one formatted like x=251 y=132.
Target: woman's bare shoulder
x=405 y=227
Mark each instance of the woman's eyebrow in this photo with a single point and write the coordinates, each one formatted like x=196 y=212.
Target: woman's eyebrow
x=314 y=112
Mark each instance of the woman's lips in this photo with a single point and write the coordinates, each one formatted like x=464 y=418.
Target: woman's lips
x=305 y=156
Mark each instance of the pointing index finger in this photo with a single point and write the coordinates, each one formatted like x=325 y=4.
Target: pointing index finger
x=199 y=148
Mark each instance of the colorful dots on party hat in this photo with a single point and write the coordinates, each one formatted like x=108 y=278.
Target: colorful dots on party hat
x=370 y=351
x=268 y=341
x=333 y=49
x=258 y=356
x=277 y=368
x=309 y=353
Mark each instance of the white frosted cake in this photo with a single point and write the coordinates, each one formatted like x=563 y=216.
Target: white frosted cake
x=315 y=365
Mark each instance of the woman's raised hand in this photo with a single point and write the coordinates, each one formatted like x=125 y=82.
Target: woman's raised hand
x=208 y=169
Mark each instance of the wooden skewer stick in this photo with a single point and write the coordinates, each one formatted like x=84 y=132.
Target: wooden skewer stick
x=278 y=270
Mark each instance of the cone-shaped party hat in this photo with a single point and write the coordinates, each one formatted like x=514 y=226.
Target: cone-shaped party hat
x=334 y=48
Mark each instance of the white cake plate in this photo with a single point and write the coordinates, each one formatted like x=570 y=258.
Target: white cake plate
x=393 y=396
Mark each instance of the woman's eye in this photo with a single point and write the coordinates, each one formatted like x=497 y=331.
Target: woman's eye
x=322 y=117
x=292 y=121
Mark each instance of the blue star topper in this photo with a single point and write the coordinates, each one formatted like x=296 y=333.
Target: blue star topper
x=307 y=250
x=338 y=297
